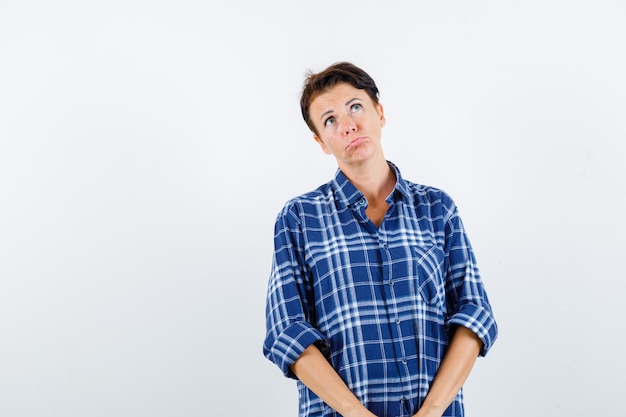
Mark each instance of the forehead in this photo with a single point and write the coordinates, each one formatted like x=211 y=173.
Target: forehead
x=338 y=95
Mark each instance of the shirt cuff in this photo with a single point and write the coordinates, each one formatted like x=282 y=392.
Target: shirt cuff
x=479 y=320
x=289 y=345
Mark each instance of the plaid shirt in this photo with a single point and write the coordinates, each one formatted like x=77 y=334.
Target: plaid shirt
x=379 y=302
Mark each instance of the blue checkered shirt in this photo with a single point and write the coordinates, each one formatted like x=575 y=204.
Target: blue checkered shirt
x=379 y=302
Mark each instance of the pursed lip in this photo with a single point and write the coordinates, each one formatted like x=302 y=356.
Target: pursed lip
x=356 y=142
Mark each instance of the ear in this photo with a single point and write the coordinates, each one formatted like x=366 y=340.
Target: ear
x=381 y=113
x=322 y=145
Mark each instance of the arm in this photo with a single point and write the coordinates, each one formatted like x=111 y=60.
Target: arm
x=318 y=375
x=453 y=371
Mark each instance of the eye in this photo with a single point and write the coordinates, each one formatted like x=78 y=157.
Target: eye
x=330 y=121
x=355 y=107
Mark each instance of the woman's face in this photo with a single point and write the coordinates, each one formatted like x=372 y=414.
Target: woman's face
x=349 y=124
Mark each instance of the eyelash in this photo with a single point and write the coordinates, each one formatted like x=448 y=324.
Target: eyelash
x=332 y=118
x=356 y=104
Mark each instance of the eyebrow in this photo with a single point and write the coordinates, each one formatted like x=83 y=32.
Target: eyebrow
x=330 y=111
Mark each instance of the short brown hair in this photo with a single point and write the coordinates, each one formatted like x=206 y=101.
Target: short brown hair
x=340 y=72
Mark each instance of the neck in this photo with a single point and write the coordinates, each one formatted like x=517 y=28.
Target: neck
x=374 y=179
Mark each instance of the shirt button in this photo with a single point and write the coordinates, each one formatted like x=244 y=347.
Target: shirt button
x=397 y=321
x=404 y=361
x=391 y=283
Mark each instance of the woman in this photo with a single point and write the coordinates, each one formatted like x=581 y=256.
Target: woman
x=374 y=303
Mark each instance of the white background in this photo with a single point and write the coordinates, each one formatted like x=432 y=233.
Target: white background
x=147 y=146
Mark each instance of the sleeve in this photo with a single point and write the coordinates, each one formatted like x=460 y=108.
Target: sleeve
x=290 y=303
x=468 y=304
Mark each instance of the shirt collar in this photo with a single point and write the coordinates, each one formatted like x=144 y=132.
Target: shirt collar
x=347 y=194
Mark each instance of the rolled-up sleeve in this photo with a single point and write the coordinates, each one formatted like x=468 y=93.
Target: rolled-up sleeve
x=290 y=303
x=467 y=301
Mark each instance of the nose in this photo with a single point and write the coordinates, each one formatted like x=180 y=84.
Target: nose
x=348 y=125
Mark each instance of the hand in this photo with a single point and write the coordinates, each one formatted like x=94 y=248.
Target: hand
x=423 y=412
x=360 y=412
x=452 y=373
x=315 y=372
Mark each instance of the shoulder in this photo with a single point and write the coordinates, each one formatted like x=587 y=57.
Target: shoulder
x=307 y=203
x=429 y=195
x=421 y=194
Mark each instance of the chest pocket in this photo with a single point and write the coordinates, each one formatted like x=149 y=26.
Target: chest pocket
x=428 y=263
